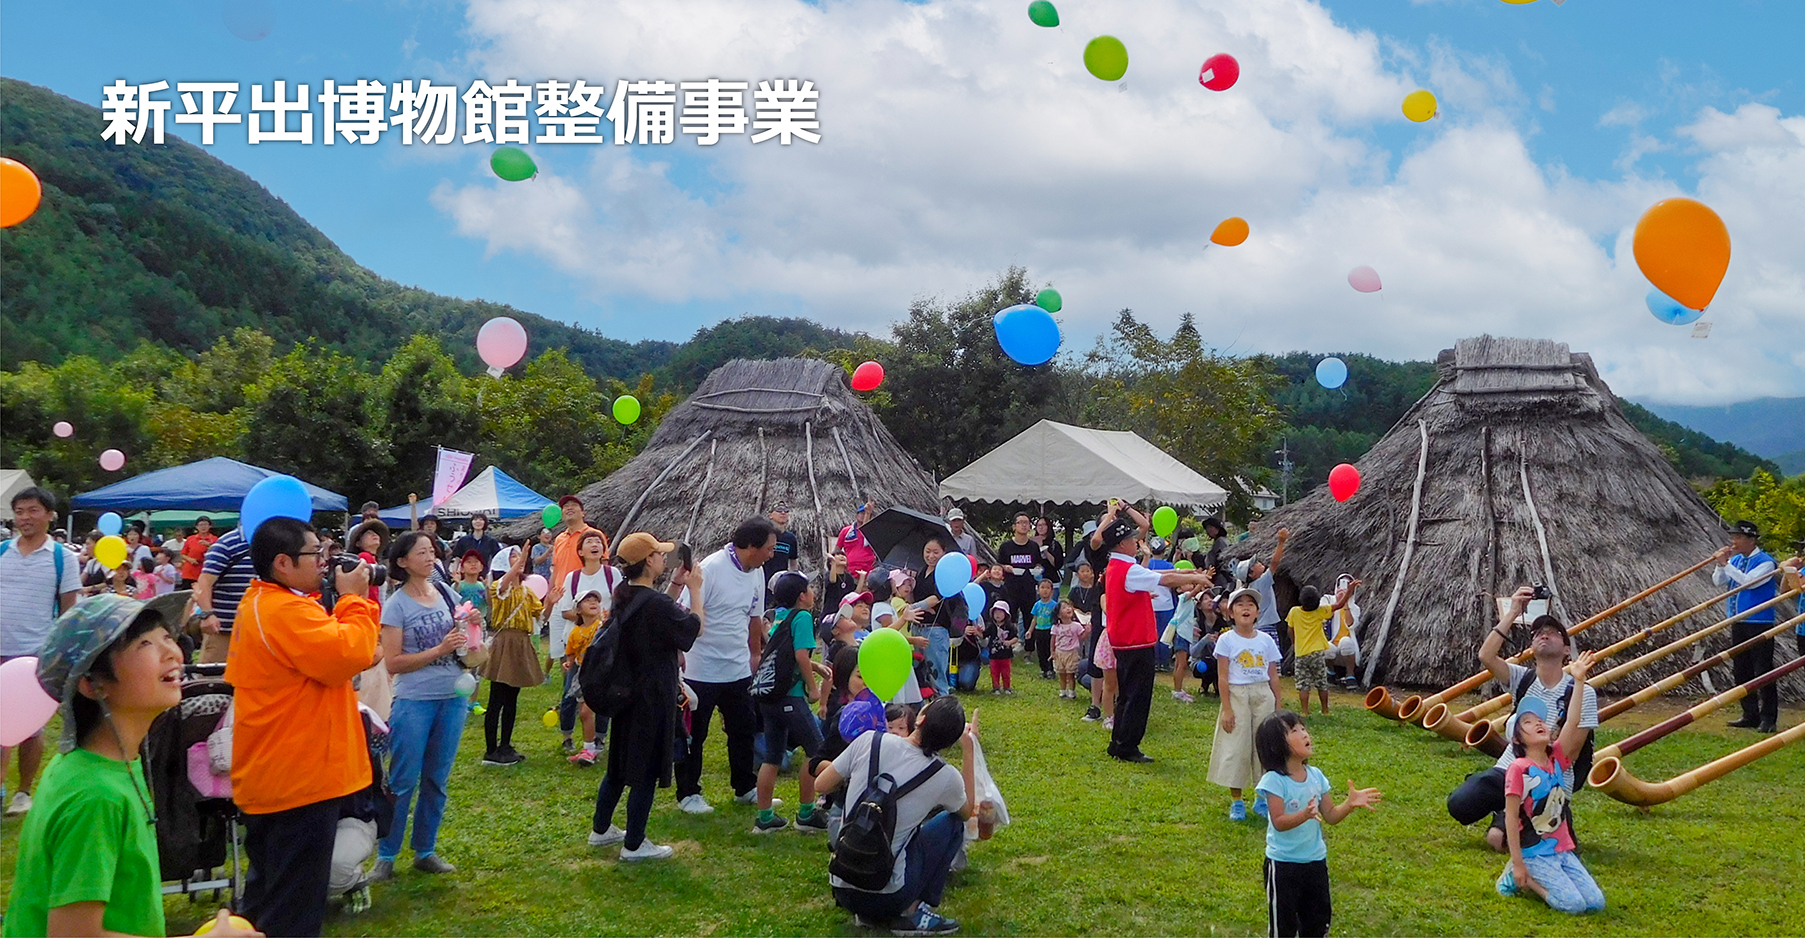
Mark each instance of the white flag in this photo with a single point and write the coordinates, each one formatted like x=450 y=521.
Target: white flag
x=449 y=476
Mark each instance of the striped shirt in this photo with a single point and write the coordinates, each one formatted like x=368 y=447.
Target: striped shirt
x=31 y=587
x=229 y=560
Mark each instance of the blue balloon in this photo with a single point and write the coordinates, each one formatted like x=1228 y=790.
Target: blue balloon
x=1331 y=373
x=974 y=602
x=274 y=497
x=1668 y=310
x=1027 y=334
x=952 y=573
x=110 y=523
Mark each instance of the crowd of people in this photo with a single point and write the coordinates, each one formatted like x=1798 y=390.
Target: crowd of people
x=365 y=658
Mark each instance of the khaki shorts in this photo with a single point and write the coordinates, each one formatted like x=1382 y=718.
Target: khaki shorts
x=1312 y=672
x=214 y=648
x=1065 y=662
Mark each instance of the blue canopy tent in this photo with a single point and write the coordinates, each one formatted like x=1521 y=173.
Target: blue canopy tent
x=217 y=484
x=493 y=492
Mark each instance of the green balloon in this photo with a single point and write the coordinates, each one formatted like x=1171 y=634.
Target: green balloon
x=1106 y=58
x=626 y=409
x=1049 y=300
x=884 y=662
x=1043 y=14
x=551 y=515
x=1165 y=521
x=1184 y=565
x=512 y=164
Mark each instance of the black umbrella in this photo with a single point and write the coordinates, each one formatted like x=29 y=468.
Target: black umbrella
x=899 y=534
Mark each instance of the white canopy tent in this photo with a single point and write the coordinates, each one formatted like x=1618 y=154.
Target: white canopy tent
x=1067 y=465
x=12 y=481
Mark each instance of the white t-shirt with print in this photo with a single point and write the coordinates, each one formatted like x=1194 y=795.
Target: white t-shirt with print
x=1248 y=658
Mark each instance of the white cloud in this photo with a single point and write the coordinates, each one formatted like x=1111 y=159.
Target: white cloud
x=957 y=139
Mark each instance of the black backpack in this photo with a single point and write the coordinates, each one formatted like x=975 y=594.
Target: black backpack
x=606 y=687
x=863 y=857
x=777 y=665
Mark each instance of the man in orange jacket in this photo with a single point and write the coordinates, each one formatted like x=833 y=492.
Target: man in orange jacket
x=298 y=746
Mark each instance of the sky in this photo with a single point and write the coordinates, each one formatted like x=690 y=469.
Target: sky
x=958 y=138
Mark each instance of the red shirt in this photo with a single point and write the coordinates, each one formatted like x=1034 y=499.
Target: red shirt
x=195 y=547
x=1130 y=622
x=860 y=558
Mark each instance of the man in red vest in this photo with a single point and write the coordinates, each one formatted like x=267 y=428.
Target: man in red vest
x=1133 y=631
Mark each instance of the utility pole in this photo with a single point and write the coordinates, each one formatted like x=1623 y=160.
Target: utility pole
x=1284 y=455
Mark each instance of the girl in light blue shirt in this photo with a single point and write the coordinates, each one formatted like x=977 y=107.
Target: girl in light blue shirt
x=1298 y=801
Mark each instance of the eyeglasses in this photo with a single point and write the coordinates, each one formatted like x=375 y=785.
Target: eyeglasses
x=307 y=553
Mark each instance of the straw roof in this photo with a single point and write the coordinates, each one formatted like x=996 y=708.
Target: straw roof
x=1528 y=473
x=757 y=433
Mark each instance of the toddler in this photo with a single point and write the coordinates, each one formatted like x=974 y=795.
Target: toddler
x=1068 y=646
x=1004 y=638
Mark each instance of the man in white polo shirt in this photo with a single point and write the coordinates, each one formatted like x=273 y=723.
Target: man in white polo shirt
x=718 y=667
x=41 y=580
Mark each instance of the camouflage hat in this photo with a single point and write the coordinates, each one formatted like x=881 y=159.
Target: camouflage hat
x=76 y=642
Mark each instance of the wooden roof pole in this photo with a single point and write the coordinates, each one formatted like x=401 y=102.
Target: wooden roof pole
x=626 y=520
x=848 y=461
x=701 y=496
x=1535 y=518
x=1397 y=588
x=808 y=434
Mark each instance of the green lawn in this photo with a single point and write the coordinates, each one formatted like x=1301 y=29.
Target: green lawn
x=1102 y=847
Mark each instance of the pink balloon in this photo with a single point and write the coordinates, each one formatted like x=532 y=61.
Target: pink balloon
x=1365 y=279
x=537 y=584
x=501 y=342
x=63 y=429
x=24 y=707
x=112 y=460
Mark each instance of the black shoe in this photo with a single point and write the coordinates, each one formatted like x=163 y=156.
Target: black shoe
x=1745 y=723
x=1767 y=728
x=1136 y=756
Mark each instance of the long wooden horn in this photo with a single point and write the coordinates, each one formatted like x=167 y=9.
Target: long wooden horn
x=1473 y=735
x=1609 y=776
x=1674 y=680
x=1413 y=705
x=1624 y=747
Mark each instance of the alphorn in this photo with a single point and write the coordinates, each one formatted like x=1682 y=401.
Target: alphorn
x=1473 y=735
x=1674 y=680
x=1379 y=699
x=1609 y=776
x=1624 y=747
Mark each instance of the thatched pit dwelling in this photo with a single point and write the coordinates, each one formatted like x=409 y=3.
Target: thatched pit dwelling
x=1518 y=467
x=754 y=434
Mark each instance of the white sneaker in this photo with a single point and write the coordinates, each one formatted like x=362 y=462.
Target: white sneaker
x=20 y=804
x=750 y=796
x=695 y=804
x=614 y=836
x=647 y=851
x=1109 y=723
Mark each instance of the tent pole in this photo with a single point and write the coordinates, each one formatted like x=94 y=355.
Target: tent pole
x=1397 y=588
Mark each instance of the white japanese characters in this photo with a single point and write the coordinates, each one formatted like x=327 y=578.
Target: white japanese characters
x=645 y=112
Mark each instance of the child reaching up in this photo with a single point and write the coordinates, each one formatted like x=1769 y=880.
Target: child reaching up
x=589 y=622
x=1297 y=802
x=1247 y=666
x=1310 y=643
x=1538 y=826
x=1068 y=646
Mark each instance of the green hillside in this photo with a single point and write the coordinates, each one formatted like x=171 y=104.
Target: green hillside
x=169 y=244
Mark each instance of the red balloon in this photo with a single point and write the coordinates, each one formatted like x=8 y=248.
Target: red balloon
x=867 y=376
x=1344 y=481
x=1220 y=72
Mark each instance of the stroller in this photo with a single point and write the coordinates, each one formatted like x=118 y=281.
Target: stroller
x=197 y=823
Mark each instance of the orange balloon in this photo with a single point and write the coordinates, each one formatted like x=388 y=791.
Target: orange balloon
x=1231 y=232
x=19 y=192
x=1683 y=249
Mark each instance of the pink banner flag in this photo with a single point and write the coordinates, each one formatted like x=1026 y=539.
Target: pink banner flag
x=449 y=476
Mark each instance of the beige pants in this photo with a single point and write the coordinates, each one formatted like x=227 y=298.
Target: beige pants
x=1233 y=763
x=376 y=689
x=214 y=648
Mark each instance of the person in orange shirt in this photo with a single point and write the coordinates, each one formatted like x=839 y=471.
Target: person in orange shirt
x=564 y=549
x=298 y=744
x=194 y=550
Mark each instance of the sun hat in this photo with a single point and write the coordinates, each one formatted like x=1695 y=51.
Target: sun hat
x=639 y=545
x=76 y=642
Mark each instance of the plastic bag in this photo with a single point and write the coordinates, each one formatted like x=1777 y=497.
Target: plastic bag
x=992 y=811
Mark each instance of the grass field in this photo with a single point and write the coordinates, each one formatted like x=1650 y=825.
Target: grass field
x=1100 y=847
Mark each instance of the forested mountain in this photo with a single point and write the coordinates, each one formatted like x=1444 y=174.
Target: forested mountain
x=170 y=244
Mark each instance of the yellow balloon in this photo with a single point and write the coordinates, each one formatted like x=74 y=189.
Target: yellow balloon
x=550 y=719
x=1419 y=105
x=1518 y=2
x=110 y=551
x=237 y=922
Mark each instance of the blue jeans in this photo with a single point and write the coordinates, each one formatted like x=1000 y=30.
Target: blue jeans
x=423 y=742
x=929 y=862
x=1571 y=889
x=969 y=673
x=939 y=653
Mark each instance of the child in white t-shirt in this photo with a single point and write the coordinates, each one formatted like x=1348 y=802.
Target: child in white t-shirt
x=1247 y=667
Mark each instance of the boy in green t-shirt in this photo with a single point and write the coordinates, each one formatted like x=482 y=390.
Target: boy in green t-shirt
x=788 y=720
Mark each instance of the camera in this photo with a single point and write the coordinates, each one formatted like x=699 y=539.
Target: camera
x=379 y=574
x=1541 y=592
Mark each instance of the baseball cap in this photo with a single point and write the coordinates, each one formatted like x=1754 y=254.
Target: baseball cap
x=472 y=552
x=1745 y=528
x=1252 y=594
x=1549 y=622
x=568 y=499
x=853 y=599
x=899 y=577
x=639 y=545
x=1533 y=704
x=957 y=514
x=781 y=506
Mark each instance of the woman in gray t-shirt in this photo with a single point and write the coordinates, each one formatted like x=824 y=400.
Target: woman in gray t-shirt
x=421 y=638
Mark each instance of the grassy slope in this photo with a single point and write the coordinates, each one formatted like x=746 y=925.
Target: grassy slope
x=1098 y=847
